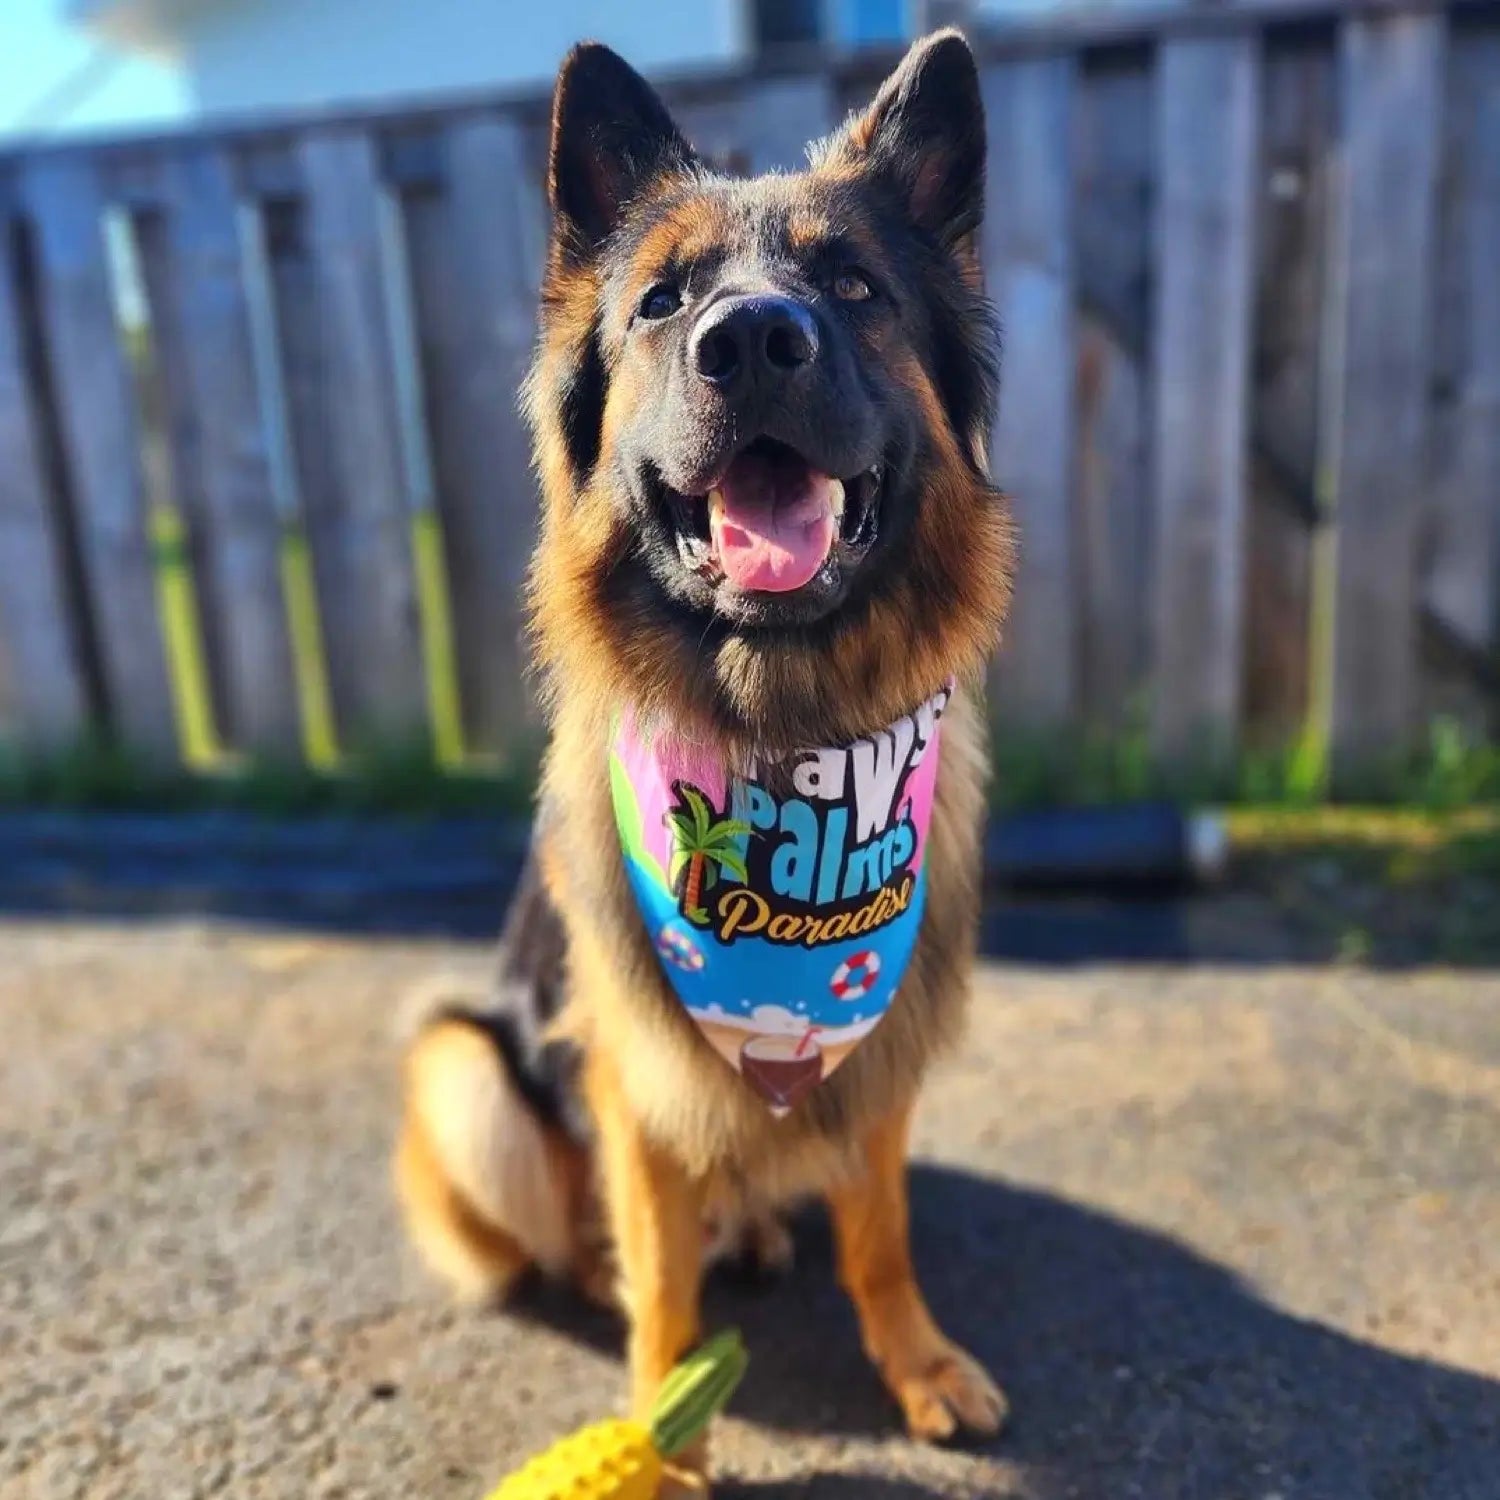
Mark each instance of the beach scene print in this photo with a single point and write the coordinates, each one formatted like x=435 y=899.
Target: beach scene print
x=783 y=899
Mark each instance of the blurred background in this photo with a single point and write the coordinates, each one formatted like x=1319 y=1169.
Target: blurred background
x=268 y=291
x=268 y=272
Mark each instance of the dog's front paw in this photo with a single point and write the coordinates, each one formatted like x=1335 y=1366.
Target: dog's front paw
x=676 y=1486
x=679 y=1483
x=950 y=1390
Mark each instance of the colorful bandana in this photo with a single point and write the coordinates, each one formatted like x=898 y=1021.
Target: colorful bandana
x=785 y=901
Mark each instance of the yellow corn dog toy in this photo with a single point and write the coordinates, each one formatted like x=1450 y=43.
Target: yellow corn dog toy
x=622 y=1460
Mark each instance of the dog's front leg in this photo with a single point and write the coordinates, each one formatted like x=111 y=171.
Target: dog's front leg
x=656 y=1213
x=938 y=1385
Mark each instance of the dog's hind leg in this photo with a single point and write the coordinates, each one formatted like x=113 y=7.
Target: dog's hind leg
x=493 y=1169
x=487 y=1187
x=939 y=1386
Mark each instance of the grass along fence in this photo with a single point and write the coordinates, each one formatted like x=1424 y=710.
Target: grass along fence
x=264 y=493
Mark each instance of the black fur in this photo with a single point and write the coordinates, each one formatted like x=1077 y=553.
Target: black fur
x=579 y=392
x=924 y=138
x=611 y=135
x=525 y=999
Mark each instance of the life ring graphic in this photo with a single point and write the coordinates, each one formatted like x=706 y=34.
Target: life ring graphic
x=679 y=949
x=853 y=978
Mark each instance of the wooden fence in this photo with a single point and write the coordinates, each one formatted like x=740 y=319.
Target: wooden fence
x=263 y=486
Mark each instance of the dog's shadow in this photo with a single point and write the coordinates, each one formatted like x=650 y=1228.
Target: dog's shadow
x=822 y=1487
x=1132 y=1364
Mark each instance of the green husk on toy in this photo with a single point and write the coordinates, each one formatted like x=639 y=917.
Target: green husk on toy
x=623 y=1460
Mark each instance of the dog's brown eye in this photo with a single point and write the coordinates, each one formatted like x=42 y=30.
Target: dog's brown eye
x=851 y=286
x=660 y=302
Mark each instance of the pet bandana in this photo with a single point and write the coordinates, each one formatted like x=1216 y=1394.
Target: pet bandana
x=784 y=901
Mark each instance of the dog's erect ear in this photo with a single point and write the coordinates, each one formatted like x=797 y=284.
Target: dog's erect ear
x=611 y=135
x=924 y=136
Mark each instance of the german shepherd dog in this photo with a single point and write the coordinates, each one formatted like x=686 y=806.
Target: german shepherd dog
x=760 y=409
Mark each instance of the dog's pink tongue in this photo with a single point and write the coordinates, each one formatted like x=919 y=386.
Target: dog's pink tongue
x=772 y=525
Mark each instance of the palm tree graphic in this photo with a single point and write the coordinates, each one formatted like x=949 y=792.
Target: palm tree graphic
x=702 y=847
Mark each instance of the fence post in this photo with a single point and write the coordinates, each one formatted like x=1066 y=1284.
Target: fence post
x=361 y=540
x=91 y=388
x=1113 y=177
x=1028 y=257
x=1392 y=78
x=1297 y=145
x=207 y=288
x=45 y=685
x=1207 y=144
x=1463 y=587
x=782 y=117
x=476 y=263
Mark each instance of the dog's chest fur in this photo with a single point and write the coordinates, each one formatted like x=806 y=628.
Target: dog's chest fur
x=621 y=1004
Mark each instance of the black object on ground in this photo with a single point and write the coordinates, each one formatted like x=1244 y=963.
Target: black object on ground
x=452 y=877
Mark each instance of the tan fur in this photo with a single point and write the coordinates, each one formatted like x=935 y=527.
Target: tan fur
x=939 y=1387
x=486 y=1189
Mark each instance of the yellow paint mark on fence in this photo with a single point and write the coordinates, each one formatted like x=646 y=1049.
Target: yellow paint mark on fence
x=187 y=667
x=309 y=663
x=438 y=655
x=1312 y=762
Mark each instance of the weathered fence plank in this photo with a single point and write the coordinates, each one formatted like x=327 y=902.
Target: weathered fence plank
x=358 y=521
x=476 y=261
x=1462 y=589
x=1029 y=270
x=781 y=116
x=91 y=386
x=1113 y=542
x=716 y=128
x=309 y=489
x=238 y=522
x=170 y=458
x=45 y=689
x=275 y=291
x=1300 y=120
x=298 y=337
x=1112 y=173
x=1204 y=243
x=1393 y=68
x=1181 y=388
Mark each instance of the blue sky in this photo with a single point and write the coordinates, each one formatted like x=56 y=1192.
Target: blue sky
x=40 y=53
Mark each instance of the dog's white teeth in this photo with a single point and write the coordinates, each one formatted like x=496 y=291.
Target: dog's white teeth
x=715 y=503
x=836 y=498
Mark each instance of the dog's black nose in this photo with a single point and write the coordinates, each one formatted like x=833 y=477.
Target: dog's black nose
x=752 y=339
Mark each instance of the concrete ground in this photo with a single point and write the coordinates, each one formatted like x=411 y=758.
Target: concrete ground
x=1227 y=1233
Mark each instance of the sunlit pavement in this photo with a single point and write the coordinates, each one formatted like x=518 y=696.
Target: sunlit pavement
x=1222 y=1232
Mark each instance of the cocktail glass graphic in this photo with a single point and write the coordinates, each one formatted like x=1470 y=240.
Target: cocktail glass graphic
x=782 y=1069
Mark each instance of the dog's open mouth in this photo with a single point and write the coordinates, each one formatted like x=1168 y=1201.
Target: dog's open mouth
x=772 y=520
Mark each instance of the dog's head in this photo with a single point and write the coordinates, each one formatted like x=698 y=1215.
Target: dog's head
x=761 y=409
